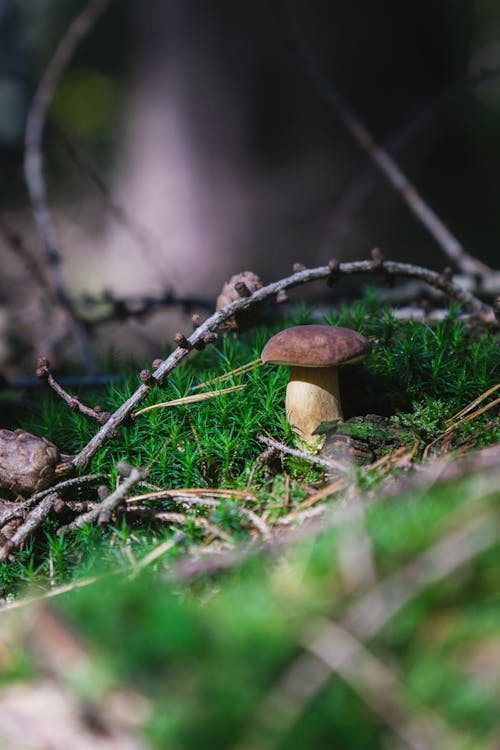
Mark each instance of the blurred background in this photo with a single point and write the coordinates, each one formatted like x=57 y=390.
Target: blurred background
x=187 y=141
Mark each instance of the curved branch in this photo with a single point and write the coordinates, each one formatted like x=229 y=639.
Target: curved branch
x=33 y=164
x=386 y=164
x=204 y=333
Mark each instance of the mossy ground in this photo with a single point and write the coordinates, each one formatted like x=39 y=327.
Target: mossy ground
x=206 y=654
x=417 y=375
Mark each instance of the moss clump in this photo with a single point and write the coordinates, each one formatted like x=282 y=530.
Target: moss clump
x=417 y=375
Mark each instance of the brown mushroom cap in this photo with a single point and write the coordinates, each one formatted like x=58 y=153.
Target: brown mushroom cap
x=315 y=346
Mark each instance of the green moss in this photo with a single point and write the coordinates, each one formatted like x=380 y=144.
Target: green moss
x=209 y=656
x=418 y=375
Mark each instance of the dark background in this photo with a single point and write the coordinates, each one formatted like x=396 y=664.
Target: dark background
x=210 y=124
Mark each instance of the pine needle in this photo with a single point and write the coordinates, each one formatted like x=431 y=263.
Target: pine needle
x=234 y=373
x=474 y=403
x=195 y=491
x=188 y=399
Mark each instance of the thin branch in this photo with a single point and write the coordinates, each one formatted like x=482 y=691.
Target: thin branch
x=375 y=683
x=33 y=164
x=70 y=381
x=367 y=617
x=389 y=168
x=74 y=403
x=32 y=522
x=180 y=497
x=204 y=333
x=314 y=460
x=145 y=240
x=117 y=309
x=344 y=214
x=19 y=508
x=14 y=240
x=103 y=511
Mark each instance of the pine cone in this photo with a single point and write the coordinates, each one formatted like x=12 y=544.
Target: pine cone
x=229 y=293
x=27 y=462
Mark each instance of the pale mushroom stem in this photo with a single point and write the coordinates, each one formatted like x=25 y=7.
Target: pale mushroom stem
x=312 y=397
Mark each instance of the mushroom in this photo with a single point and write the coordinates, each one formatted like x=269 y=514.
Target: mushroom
x=314 y=353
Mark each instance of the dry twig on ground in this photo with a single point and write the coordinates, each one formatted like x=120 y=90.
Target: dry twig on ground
x=33 y=520
x=102 y=512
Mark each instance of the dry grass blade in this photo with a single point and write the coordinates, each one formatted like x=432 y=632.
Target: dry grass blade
x=196 y=491
x=330 y=489
x=474 y=403
x=391 y=460
x=57 y=591
x=386 y=463
x=467 y=418
x=380 y=689
x=480 y=411
x=232 y=374
x=188 y=399
x=370 y=614
x=158 y=552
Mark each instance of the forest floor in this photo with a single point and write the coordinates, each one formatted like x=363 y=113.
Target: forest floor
x=248 y=591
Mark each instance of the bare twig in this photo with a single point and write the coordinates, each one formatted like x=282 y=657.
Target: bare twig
x=158 y=552
x=117 y=309
x=70 y=381
x=16 y=509
x=314 y=460
x=390 y=169
x=33 y=164
x=32 y=522
x=173 y=517
x=102 y=512
x=150 y=246
x=417 y=726
x=368 y=616
x=180 y=496
x=362 y=185
x=341 y=646
x=203 y=333
x=184 y=493
x=14 y=240
x=74 y=403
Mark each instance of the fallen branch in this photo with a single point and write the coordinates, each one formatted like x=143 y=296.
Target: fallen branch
x=34 y=519
x=205 y=332
x=314 y=460
x=390 y=169
x=14 y=240
x=117 y=309
x=423 y=120
x=104 y=510
x=15 y=509
x=74 y=403
x=33 y=165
